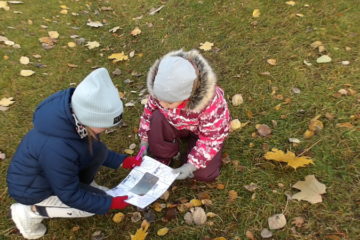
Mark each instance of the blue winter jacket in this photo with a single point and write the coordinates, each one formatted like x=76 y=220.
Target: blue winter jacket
x=50 y=157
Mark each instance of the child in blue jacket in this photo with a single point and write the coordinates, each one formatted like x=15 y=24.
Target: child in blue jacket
x=52 y=172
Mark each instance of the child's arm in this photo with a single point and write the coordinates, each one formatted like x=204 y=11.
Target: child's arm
x=214 y=128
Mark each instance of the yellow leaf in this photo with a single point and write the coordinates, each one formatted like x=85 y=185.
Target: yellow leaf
x=271 y=61
x=219 y=238
x=308 y=134
x=26 y=73
x=162 y=231
x=290 y=3
x=93 y=44
x=158 y=207
x=64 y=11
x=53 y=34
x=63 y=7
x=71 y=44
x=141 y=232
x=118 y=217
x=288 y=157
x=5 y=102
x=195 y=202
x=206 y=46
x=256 y=13
x=118 y=57
x=4 y=5
x=345 y=125
x=136 y=31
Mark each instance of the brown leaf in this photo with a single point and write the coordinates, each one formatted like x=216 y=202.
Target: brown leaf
x=345 y=125
x=271 y=61
x=298 y=221
x=171 y=213
x=203 y=195
x=310 y=190
x=232 y=195
x=250 y=235
x=220 y=186
x=263 y=130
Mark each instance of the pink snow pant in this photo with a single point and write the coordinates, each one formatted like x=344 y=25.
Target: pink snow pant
x=164 y=142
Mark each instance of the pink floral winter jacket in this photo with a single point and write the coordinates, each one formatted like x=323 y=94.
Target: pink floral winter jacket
x=206 y=114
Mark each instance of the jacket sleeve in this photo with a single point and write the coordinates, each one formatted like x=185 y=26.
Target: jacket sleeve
x=114 y=159
x=144 y=127
x=213 y=128
x=61 y=168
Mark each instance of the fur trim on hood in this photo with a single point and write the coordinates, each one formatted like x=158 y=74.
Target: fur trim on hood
x=205 y=89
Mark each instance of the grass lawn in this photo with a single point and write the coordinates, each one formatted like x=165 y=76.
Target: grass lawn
x=242 y=46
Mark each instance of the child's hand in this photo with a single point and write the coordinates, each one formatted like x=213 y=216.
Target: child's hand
x=131 y=162
x=186 y=171
x=146 y=146
x=119 y=202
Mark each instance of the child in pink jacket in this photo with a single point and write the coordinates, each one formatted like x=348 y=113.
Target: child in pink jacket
x=185 y=104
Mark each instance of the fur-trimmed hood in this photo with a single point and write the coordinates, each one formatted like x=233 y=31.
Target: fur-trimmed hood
x=205 y=89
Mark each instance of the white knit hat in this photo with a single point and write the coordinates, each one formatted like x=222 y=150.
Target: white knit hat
x=174 y=79
x=96 y=101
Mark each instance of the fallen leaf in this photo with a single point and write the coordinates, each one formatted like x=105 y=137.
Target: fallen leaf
x=4 y=5
x=233 y=195
x=75 y=228
x=116 y=72
x=211 y=214
x=203 y=195
x=235 y=124
x=315 y=124
x=220 y=186
x=188 y=218
x=288 y=157
x=150 y=216
x=299 y=15
x=71 y=44
x=92 y=45
x=26 y=73
x=316 y=44
x=117 y=57
x=129 y=151
x=251 y=187
x=310 y=190
x=195 y=202
x=266 y=233
x=97 y=235
x=307 y=63
x=3 y=108
x=135 y=217
x=308 y=134
x=171 y=214
x=2 y=156
x=158 y=207
x=329 y=116
x=53 y=34
x=206 y=202
x=24 y=60
x=290 y=3
x=263 y=130
x=296 y=90
x=72 y=65
x=141 y=232
x=114 y=29
x=132 y=54
x=162 y=231
x=5 y=102
x=118 y=217
x=294 y=140
x=136 y=31
x=323 y=59
x=256 y=13
x=64 y=11
x=345 y=125
x=271 y=61
x=206 y=46
x=153 y=11
x=298 y=221
x=250 y=235
x=198 y=215
x=237 y=100
x=94 y=24
x=277 y=221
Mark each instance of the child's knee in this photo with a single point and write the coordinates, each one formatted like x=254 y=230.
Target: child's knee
x=206 y=176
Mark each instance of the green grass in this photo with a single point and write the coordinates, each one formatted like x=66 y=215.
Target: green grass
x=244 y=44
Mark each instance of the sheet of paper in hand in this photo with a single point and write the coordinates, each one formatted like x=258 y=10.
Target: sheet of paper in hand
x=145 y=183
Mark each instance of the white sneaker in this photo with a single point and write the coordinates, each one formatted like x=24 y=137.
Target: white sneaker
x=28 y=223
x=95 y=185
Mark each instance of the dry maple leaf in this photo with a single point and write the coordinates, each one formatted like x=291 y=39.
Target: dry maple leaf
x=141 y=232
x=311 y=190
x=4 y=5
x=24 y=60
x=94 y=24
x=271 y=61
x=206 y=46
x=117 y=57
x=53 y=34
x=288 y=157
x=136 y=31
x=232 y=195
x=5 y=102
